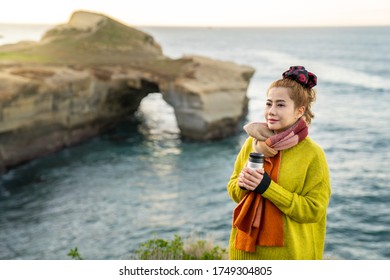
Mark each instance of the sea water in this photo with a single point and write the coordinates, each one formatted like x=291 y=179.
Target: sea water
x=140 y=181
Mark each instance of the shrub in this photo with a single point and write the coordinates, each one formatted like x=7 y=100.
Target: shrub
x=195 y=249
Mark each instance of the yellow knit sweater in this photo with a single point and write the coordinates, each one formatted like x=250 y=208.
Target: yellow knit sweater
x=302 y=194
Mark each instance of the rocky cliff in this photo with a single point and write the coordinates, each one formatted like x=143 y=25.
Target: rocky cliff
x=88 y=74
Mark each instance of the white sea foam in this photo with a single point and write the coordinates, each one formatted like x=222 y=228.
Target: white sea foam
x=326 y=71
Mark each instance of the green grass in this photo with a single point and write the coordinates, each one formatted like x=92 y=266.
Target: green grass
x=113 y=43
x=177 y=249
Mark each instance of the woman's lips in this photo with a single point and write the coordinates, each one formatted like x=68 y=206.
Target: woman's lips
x=272 y=120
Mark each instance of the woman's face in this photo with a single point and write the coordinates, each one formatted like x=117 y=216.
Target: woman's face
x=280 y=112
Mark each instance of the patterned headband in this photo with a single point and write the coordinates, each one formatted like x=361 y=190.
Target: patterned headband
x=300 y=75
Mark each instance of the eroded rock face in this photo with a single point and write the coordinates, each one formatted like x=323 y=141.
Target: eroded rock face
x=45 y=106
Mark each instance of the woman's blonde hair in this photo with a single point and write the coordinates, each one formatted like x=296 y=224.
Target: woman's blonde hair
x=301 y=96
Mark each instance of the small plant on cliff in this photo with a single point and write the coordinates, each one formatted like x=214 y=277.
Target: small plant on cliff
x=74 y=254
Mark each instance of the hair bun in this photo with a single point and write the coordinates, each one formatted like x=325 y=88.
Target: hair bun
x=300 y=75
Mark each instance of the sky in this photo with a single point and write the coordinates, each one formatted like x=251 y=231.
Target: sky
x=208 y=13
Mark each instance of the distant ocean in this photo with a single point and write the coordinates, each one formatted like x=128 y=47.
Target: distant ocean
x=139 y=181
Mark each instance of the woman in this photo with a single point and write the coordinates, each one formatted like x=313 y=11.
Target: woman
x=281 y=210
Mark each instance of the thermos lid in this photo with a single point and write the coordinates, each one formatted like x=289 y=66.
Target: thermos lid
x=256 y=157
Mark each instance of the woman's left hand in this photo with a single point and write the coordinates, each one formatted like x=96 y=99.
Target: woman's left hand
x=250 y=179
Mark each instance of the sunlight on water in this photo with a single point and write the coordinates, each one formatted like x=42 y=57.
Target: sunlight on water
x=14 y=33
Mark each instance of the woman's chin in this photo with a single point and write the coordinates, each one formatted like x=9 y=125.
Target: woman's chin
x=273 y=127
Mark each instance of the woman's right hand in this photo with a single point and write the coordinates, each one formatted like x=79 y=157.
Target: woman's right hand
x=249 y=179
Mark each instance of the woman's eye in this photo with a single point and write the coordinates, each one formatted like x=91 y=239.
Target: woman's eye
x=268 y=104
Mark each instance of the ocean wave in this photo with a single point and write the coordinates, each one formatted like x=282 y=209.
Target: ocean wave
x=326 y=72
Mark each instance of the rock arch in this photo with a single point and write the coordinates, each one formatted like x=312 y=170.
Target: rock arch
x=88 y=74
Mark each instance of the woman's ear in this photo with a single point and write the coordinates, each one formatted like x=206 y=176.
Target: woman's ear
x=300 y=112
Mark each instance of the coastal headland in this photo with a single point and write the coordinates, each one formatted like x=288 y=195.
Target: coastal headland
x=87 y=75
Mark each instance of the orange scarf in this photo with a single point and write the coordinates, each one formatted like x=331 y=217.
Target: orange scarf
x=258 y=221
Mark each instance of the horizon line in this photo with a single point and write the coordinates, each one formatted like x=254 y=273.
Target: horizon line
x=259 y=26
x=218 y=26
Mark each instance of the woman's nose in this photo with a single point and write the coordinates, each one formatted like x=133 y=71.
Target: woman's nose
x=271 y=110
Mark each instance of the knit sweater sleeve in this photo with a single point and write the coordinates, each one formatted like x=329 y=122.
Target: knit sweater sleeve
x=235 y=192
x=306 y=203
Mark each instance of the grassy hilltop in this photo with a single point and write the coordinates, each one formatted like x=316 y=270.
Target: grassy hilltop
x=91 y=39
